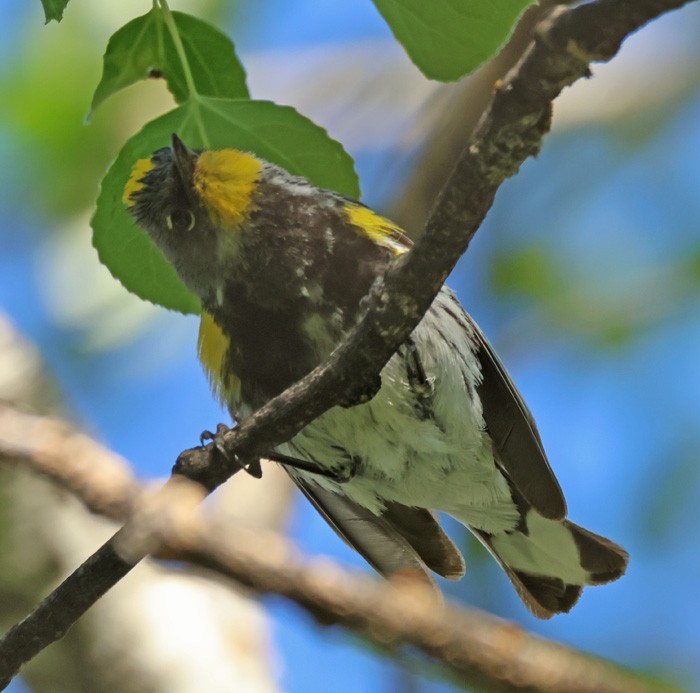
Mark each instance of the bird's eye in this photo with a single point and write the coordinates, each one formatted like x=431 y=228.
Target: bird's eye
x=180 y=219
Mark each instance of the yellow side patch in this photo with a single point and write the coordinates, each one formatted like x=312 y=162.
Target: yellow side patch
x=225 y=181
x=378 y=229
x=141 y=168
x=212 y=347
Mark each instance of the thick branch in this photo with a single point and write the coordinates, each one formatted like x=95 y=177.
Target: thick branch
x=480 y=649
x=464 y=103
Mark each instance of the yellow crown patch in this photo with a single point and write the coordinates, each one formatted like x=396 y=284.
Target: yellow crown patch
x=225 y=181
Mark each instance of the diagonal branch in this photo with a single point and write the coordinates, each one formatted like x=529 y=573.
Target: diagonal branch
x=479 y=649
x=509 y=131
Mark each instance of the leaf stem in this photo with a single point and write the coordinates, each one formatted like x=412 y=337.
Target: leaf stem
x=189 y=79
x=179 y=48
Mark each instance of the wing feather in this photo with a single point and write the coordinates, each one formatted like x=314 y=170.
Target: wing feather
x=517 y=442
x=401 y=540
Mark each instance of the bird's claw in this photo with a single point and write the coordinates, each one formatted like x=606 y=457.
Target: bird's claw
x=253 y=468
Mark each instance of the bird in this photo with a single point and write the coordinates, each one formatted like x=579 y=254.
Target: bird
x=283 y=269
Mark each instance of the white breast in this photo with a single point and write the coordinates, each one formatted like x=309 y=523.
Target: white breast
x=443 y=462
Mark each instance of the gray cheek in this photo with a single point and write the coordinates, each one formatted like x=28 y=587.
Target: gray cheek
x=157 y=237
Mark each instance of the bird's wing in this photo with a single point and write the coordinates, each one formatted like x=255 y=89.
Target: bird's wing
x=517 y=443
x=400 y=540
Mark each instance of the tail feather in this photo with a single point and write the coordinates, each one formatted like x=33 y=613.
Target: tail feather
x=604 y=560
x=401 y=540
x=550 y=561
x=544 y=596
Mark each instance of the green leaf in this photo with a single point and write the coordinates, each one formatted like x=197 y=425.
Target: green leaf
x=447 y=39
x=144 y=48
x=276 y=133
x=53 y=9
x=212 y=58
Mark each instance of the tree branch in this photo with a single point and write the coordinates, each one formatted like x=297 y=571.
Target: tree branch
x=479 y=649
x=509 y=131
x=464 y=103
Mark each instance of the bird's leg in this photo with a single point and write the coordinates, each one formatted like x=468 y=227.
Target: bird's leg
x=253 y=468
x=340 y=475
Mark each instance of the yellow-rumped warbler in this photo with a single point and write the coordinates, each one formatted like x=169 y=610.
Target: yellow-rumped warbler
x=281 y=268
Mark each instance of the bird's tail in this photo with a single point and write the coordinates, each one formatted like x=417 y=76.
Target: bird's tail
x=550 y=561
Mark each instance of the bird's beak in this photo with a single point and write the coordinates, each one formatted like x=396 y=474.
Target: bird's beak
x=184 y=159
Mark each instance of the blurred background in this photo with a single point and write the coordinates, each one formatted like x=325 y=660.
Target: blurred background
x=585 y=277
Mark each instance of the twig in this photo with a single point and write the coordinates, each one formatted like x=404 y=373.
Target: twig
x=479 y=649
x=53 y=448
x=509 y=132
x=100 y=478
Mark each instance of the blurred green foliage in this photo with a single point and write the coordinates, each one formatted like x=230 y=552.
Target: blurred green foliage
x=530 y=271
x=61 y=159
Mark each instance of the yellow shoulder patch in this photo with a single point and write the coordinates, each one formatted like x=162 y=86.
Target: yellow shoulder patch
x=225 y=181
x=378 y=229
x=212 y=348
x=141 y=168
